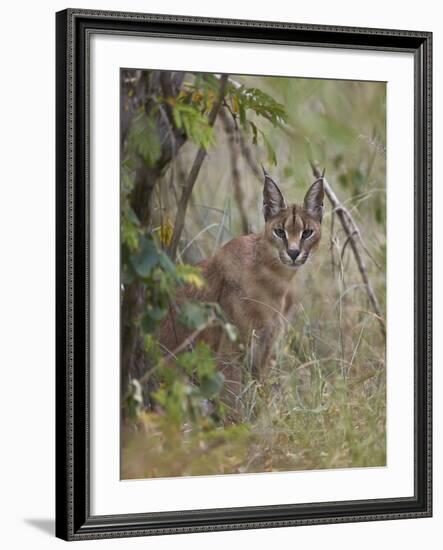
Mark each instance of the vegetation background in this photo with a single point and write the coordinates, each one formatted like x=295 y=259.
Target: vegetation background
x=191 y=149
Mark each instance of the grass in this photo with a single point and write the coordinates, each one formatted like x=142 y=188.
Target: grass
x=324 y=404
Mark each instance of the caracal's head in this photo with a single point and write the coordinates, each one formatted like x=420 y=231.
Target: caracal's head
x=293 y=230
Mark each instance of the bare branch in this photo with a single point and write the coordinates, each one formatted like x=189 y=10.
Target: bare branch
x=172 y=355
x=358 y=233
x=233 y=115
x=231 y=131
x=352 y=231
x=249 y=157
x=193 y=174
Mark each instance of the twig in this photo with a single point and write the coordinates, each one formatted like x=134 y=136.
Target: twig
x=192 y=178
x=207 y=228
x=178 y=349
x=230 y=129
x=350 y=227
x=331 y=242
x=341 y=285
x=221 y=225
x=348 y=238
x=249 y=157
x=362 y=379
x=233 y=115
x=357 y=232
x=357 y=345
x=188 y=341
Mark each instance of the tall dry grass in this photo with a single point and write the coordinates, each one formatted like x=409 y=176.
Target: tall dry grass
x=324 y=405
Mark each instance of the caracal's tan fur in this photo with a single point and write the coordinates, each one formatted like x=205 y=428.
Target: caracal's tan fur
x=252 y=278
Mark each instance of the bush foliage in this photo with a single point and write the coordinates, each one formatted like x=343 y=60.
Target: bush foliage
x=324 y=403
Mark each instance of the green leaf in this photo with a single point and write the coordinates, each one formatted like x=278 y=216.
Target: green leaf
x=144 y=138
x=210 y=387
x=132 y=216
x=130 y=234
x=156 y=313
x=242 y=113
x=272 y=158
x=254 y=132
x=127 y=276
x=259 y=102
x=165 y=262
x=194 y=314
x=189 y=119
x=148 y=325
x=146 y=258
x=152 y=347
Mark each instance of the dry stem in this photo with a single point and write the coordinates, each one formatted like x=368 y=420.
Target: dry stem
x=353 y=237
x=193 y=174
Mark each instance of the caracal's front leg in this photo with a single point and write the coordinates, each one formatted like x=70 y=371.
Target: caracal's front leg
x=262 y=348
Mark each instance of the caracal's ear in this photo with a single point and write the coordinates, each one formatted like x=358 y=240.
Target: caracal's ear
x=313 y=202
x=273 y=200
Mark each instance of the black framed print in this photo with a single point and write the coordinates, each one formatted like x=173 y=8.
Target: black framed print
x=243 y=274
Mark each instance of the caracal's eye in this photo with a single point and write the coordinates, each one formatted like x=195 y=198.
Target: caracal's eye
x=280 y=233
x=307 y=233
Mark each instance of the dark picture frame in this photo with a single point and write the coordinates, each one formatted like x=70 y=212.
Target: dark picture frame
x=74 y=521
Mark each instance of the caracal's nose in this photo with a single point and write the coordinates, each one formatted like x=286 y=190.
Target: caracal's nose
x=293 y=253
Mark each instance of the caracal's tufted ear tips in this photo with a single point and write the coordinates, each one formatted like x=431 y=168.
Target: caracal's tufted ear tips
x=273 y=199
x=313 y=201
